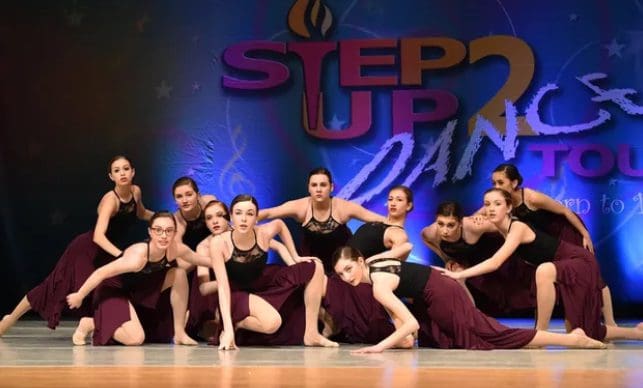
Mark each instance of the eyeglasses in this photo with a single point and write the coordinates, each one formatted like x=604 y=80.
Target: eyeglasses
x=159 y=231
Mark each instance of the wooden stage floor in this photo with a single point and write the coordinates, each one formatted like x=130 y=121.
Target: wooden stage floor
x=33 y=356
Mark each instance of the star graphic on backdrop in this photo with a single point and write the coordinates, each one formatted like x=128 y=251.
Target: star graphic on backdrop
x=163 y=90
x=57 y=217
x=614 y=48
x=573 y=17
x=190 y=172
x=140 y=23
x=336 y=123
x=613 y=182
x=74 y=18
x=196 y=87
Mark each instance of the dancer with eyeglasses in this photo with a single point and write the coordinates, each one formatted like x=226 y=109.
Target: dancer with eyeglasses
x=135 y=281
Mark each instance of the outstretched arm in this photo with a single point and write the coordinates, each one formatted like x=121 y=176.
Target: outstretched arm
x=291 y=209
x=133 y=260
x=353 y=210
x=512 y=241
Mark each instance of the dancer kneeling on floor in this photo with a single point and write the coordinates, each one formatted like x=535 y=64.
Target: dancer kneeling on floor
x=135 y=281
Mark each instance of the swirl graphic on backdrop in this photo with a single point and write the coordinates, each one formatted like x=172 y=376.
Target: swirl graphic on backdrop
x=232 y=180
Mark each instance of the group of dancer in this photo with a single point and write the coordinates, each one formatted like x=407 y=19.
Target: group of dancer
x=203 y=272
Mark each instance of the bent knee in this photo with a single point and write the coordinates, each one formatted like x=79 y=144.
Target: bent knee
x=546 y=272
x=273 y=324
x=134 y=340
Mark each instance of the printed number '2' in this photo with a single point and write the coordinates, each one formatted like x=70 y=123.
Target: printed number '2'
x=521 y=72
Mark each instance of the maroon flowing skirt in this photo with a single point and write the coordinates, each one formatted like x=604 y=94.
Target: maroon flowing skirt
x=509 y=289
x=561 y=228
x=283 y=288
x=449 y=320
x=111 y=303
x=81 y=257
x=201 y=307
x=579 y=285
x=357 y=316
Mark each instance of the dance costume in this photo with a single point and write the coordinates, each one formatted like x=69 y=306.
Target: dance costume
x=322 y=238
x=282 y=287
x=196 y=230
x=578 y=279
x=81 y=257
x=447 y=318
x=143 y=290
x=357 y=316
x=199 y=305
x=553 y=224
x=510 y=288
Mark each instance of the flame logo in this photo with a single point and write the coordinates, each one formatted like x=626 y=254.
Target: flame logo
x=313 y=13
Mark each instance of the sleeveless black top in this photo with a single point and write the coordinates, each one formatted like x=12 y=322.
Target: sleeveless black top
x=541 y=250
x=133 y=279
x=119 y=225
x=467 y=254
x=539 y=218
x=195 y=230
x=413 y=277
x=369 y=238
x=322 y=238
x=245 y=266
x=460 y=251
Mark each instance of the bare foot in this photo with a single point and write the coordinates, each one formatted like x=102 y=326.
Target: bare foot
x=319 y=340
x=585 y=342
x=78 y=338
x=184 y=339
x=638 y=327
x=84 y=329
x=5 y=324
